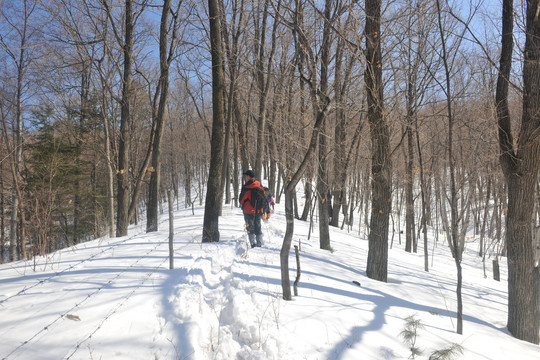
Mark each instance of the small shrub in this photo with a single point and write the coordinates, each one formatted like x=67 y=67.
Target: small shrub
x=410 y=335
x=448 y=353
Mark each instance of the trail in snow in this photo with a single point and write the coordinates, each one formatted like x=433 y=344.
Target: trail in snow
x=217 y=304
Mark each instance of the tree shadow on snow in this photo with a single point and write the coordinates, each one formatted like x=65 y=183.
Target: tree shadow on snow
x=382 y=302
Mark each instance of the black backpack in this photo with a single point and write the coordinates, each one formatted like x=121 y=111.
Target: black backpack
x=259 y=201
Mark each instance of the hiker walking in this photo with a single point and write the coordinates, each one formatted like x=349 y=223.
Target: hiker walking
x=254 y=204
x=269 y=198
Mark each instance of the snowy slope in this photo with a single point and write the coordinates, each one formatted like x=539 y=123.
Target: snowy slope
x=117 y=299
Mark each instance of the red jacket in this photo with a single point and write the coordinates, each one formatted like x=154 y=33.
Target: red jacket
x=245 y=196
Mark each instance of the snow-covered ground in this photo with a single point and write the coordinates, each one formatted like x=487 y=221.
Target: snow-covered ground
x=117 y=299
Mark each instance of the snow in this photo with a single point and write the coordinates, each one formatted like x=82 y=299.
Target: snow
x=117 y=299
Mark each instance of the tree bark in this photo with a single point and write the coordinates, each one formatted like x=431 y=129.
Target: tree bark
x=409 y=178
x=308 y=195
x=454 y=221
x=294 y=178
x=381 y=183
x=290 y=190
x=165 y=58
x=18 y=215
x=341 y=84
x=170 y=200
x=83 y=117
x=520 y=167
x=262 y=81
x=321 y=105
x=108 y=160
x=233 y=64
x=124 y=146
x=322 y=193
x=481 y=252
x=338 y=187
x=423 y=193
x=212 y=206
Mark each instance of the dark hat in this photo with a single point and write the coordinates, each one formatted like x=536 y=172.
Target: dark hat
x=249 y=173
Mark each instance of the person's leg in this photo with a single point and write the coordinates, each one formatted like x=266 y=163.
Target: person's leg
x=250 y=228
x=258 y=231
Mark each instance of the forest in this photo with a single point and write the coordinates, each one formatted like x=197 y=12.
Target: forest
x=385 y=116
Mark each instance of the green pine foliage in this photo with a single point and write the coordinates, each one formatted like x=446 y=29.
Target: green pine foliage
x=410 y=336
x=65 y=196
x=449 y=353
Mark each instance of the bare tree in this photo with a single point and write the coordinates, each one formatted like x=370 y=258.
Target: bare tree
x=122 y=175
x=381 y=183
x=294 y=177
x=453 y=193
x=519 y=161
x=318 y=62
x=166 y=55
x=232 y=35
x=19 y=20
x=213 y=196
x=342 y=84
x=321 y=103
x=264 y=77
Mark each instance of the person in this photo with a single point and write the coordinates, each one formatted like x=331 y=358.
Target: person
x=270 y=201
x=251 y=217
x=269 y=198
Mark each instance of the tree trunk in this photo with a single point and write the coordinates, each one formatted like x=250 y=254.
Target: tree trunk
x=2 y=212
x=213 y=189
x=236 y=172
x=16 y=192
x=520 y=167
x=286 y=246
x=85 y=83
x=454 y=221
x=381 y=183
x=340 y=171
x=523 y=279
x=124 y=146
x=233 y=110
x=322 y=193
x=481 y=252
x=108 y=154
x=340 y=167
x=290 y=191
x=225 y=180
x=242 y=137
x=225 y=171
x=409 y=178
x=13 y=227
x=110 y=178
x=290 y=187
x=263 y=81
x=308 y=195
x=188 y=168
x=163 y=91
x=321 y=105
x=423 y=193
x=17 y=210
